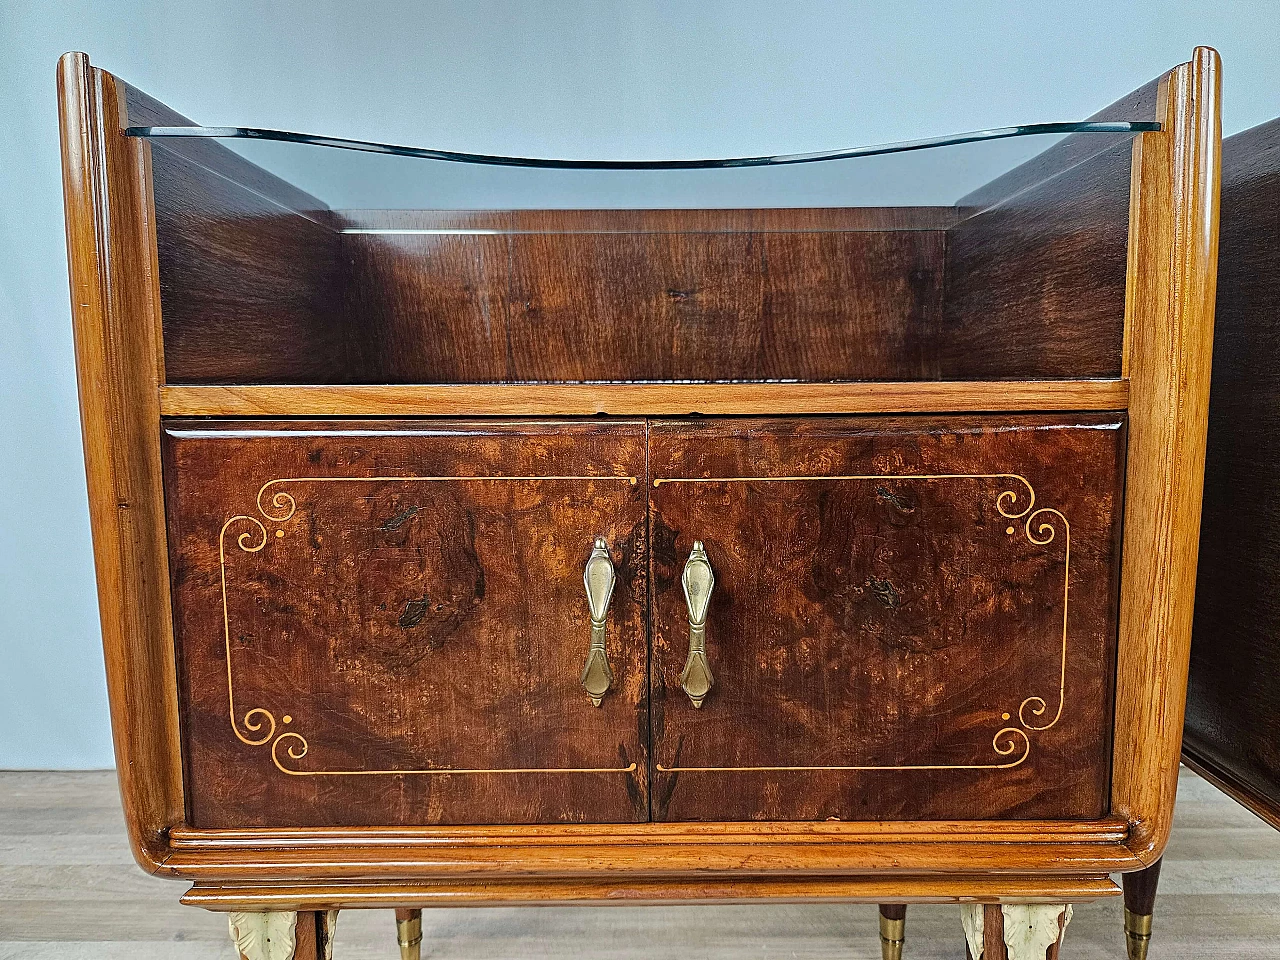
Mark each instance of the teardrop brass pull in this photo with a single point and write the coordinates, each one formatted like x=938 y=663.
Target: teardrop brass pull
x=698 y=580
x=598 y=578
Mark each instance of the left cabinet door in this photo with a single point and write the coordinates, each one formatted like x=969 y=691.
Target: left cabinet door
x=385 y=623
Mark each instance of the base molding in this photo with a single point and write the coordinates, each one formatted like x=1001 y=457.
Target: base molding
x=321 y=895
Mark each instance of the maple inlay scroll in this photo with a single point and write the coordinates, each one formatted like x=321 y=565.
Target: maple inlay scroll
x=288 y=748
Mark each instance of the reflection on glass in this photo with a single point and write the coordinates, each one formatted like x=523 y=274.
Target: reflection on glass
x=355 y=174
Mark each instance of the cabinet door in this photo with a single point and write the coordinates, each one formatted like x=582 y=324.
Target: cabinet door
x=911 y=618
x=386 y=623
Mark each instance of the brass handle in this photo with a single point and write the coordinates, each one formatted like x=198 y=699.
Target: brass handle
x=598 y=578
x=698 y=580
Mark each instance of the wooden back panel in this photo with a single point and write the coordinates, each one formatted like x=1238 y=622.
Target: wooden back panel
x=1233 y=701
x=261 y=285
x=602 y=297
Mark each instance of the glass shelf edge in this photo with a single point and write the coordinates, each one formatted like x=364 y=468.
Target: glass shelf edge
x=449 y=156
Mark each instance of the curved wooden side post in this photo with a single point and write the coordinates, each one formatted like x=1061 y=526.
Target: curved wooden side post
x=1173 y=246
x=115 y=307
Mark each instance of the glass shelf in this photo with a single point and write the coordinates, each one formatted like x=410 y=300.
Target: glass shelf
x=359 y=174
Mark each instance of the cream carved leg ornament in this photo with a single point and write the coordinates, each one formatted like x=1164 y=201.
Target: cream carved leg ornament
x=264 y=936
x=1014 y=931
x=277 y=935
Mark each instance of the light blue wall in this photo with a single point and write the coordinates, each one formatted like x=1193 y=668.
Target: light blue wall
x=631 y=79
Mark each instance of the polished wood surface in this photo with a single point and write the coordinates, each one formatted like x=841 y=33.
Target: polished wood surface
x=142 y=110
x=1043 y=276
x=667 y=851
x=1169 y=344
x=788 y=304
x=248 y=284
x=1233 y=699
x=616 y=855
x=642 y=221
x=1140 y=889
x=115 y=307
x=510 y=296
x=244 y=257
x=347 y=641
x=859 y=629
x=642 y=891
x=1230 y=785
x=634 y=398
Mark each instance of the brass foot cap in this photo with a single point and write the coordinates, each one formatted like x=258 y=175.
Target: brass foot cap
x=409 y=937
x=1137 y=934
x=892 y=934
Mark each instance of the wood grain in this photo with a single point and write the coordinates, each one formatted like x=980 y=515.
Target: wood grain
x=859 y=627
x=143 y=110
x=630 y=399
x=1229 y=784
x=1140 y=890
x=680 y=305
x=115 y=308
x=1169 y=315
x=1233 y=700
x=249 y=286
x=642 y=891
x=1042 y=274
x=1106 y=830
x=371 y=618
x=249 y=265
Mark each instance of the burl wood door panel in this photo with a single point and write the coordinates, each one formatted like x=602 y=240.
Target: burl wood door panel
x=385 y=623
x=912 y=618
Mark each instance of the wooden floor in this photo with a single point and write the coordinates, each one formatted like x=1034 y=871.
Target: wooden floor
x=69 y=890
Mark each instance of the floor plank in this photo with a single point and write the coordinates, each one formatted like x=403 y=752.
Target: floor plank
x=69 y=890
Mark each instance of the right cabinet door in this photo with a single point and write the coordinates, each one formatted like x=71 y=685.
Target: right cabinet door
x=884 y=618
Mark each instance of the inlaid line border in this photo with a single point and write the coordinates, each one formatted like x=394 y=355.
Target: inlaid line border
x=294 y=745
x=1039 y=529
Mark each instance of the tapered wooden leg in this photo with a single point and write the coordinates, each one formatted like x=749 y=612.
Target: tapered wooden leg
x=315 y=935
x=1139 y=907
x=409 y=933
x=893 y=925
x=1014 y=931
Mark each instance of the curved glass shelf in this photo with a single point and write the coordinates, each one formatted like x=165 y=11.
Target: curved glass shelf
x=345 y=174
x=546 y=163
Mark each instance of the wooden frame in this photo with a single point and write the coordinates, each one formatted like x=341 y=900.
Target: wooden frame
x=1164 y=387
